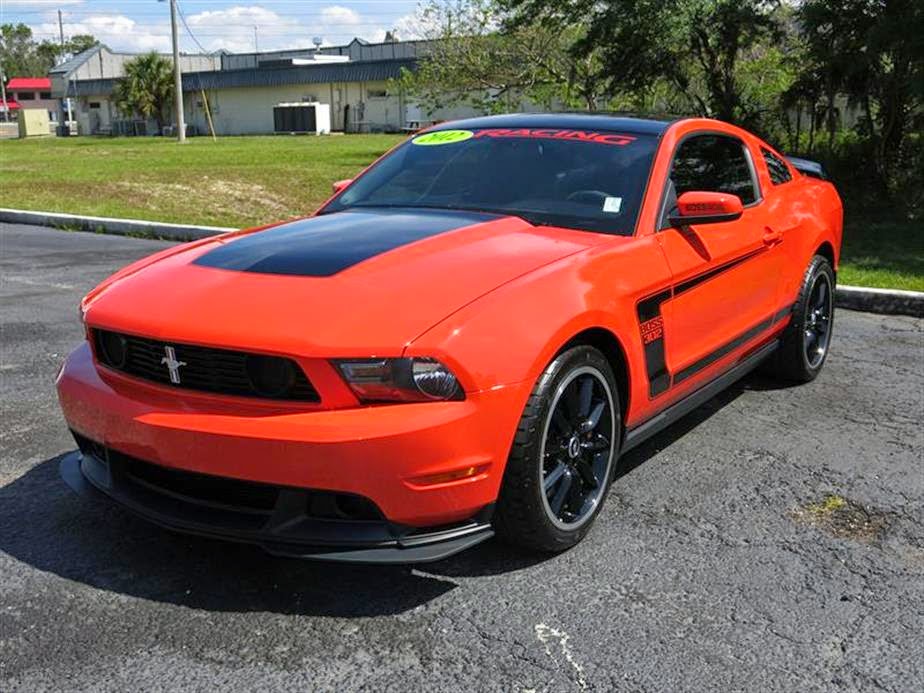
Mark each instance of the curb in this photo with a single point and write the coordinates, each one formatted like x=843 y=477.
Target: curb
x=122 y=227
x=886 y=301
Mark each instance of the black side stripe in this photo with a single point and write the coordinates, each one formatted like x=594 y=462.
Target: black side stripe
x=651 y=326
x=693 y=282
x=723 y=350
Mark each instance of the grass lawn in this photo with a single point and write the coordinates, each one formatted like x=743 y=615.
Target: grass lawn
x=885 y=254
x=245 y=181
x=235 y=181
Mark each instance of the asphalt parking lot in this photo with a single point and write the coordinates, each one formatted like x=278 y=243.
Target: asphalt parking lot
x=773 y=540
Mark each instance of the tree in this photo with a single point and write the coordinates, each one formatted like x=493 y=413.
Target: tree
x=146 y=90
x=22 y=56
x=472 y=60
x=696 y=46
x=80 y=43
x=870 y=51
x=18 y=57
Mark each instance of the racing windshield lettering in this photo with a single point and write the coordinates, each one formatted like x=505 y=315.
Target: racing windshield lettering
x=549 y=134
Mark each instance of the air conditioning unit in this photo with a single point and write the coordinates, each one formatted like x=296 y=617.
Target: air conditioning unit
x=302 y=117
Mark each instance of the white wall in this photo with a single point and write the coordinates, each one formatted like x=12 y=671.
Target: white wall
x=249 y=110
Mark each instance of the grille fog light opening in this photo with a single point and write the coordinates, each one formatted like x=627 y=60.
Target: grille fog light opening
x=113 y=348
x=270 y=376
x=330 y=505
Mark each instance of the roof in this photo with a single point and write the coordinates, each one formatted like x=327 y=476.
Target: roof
x=68 y=66
x=365 y=71
x=572 y=121
x=33 y=83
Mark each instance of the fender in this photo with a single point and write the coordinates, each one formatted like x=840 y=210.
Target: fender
x=555 y=295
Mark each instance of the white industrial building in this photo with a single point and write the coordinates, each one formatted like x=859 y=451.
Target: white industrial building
x=240 y=91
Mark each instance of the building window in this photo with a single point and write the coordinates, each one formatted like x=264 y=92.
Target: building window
x=376 y=93
x=46 y=95
x=94 y=104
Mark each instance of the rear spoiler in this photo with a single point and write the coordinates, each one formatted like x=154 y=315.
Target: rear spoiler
x=808 y=168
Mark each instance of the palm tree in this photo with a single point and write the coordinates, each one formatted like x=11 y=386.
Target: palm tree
x=146 y=89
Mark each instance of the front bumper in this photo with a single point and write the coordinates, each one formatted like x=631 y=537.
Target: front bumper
x=403 y=458
x=278 y=519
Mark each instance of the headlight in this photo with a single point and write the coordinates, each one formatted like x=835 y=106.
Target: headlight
x=400 y=380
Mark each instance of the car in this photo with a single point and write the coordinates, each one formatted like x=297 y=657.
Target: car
x=460 y=343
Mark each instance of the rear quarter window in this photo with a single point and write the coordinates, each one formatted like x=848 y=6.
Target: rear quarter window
x=779 y=171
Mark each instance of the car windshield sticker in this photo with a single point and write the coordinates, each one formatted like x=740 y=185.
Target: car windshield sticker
x=612 y=205
x=549 y=134
x=443 y=137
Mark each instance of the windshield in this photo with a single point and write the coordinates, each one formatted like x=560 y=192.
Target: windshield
x=577 y=179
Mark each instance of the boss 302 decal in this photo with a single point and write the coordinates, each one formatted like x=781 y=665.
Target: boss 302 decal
x=651 y=330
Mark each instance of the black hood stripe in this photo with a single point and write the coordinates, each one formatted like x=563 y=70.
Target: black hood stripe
x=324 y=245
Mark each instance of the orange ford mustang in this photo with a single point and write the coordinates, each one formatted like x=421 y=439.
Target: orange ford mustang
x=459 y=343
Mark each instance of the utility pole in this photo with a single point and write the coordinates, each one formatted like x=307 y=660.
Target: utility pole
x=6 y=109
x=256 y=41
x=177 y=77
x=67 y=99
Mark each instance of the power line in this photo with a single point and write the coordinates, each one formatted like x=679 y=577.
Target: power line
x=188 y=30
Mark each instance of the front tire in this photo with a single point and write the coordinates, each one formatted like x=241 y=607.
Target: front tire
x=807 y=338
x=562 y=459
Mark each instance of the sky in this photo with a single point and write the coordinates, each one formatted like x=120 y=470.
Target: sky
x=242 y=26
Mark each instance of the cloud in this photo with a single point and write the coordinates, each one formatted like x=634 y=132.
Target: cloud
x=340 y=15
x=407 y=28
x=116 y=31
x=232 y=29
x=39 y=3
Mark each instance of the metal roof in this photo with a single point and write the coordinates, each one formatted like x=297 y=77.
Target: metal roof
x=366 y=71
x=68 y=66
x=572 y=121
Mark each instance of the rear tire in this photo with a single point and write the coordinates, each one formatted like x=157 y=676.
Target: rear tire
x=563 y=454
x=807 y=338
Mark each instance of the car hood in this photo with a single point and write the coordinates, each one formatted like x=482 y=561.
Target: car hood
x=345 y=284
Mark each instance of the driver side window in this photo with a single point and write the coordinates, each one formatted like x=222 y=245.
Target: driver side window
x=713 y=163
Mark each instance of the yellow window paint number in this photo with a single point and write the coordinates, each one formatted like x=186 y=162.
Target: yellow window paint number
x=443 y=137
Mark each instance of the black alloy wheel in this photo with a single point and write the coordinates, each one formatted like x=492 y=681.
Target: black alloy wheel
x=577 y=448
x=563 y=454
x=806 y=341
x=817 y=321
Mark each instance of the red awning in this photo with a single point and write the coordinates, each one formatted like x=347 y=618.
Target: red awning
x=10 y=105
x=29 y=83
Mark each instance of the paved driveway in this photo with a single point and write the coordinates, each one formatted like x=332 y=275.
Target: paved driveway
x=773 y=540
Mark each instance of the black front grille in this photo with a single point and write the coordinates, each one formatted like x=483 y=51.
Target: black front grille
x=204 y=368
x=251 y=498
x=201 y=488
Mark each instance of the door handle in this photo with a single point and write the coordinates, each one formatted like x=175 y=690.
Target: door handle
x=772 y=237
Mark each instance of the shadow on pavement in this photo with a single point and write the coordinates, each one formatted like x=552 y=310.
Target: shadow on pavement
x=47 y=526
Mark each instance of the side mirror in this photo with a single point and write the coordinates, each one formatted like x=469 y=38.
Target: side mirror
x=706 y=208
x=341 y=184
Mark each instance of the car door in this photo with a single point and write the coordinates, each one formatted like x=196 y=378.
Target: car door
x=725 y=275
